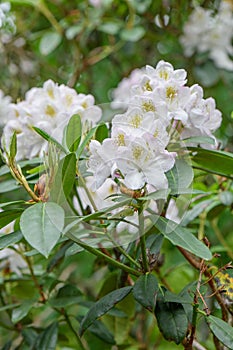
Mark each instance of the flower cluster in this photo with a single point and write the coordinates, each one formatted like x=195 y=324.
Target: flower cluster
x=6 y=18
x=160 y=106
x=48 y=108
x=206 y=31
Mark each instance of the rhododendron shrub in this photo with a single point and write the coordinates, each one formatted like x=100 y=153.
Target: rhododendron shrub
x=116 y=175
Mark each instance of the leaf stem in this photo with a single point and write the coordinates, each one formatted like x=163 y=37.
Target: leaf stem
x=99 y=253
x=123 y=252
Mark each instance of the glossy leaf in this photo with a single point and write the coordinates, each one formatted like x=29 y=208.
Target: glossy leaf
x=85 y=141
x=101 y=132
x=10 y=239
x=49 y=138
x=172 y=320
x=67 y=295
x=102 y=306
x=21 y=311
x=7 y=216
x=102 y=332
x=73 y=133
x=42 y=225
x=47 y=340
x=64 y=179
x=180 y=177
x=9 y=185
x=222 y=330
x=182 y=237
x=217 y=162
x=145 y=291
x=13 y=146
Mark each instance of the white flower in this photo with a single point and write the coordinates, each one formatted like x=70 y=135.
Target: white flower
x=203 y=119
x=141 y=165
x=48 y=108
x=122 y=93
x=101 y=161
x=206 y=31
x=4 y=108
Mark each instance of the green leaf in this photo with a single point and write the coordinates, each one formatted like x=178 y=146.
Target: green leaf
x=47 y=340
x=85 y=141
x=132 y=34
x=73 y=249
x=181 y=237
x=145 y=291
x=160 y=194
x=102 y=306
x=217 y=162
x=200 y=140
x=154 y=243
x=73 y=133
x=226 y=197
x=191 y=214
x=10 y=239
x=8 y=186
x=180 y=176
x=102 y=332
x=41 y=226
x=49 y=42
x=7 y=216
x=21 y=311
x=172 y=320
x=101 y=132
x=29 y=336
x=222 y=330
x=13 y=146
x=64 y=179
x=67 y=295
x=7 y=204
x=49 y=138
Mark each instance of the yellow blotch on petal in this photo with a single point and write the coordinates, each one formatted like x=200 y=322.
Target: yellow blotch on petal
x=137 y=152
x=120 y=140
x=136 y=121
x=51 y=93
x=148 y=106
x=171 y=92
x=69 y=100
x=50 y=111
x=163 y=74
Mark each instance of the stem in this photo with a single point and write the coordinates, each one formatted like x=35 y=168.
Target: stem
x=17 y=174
x=50 y=17
x=99 y=253
x=197 y=264
x=123 y=252
x=37 y=285
x=143 y=241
